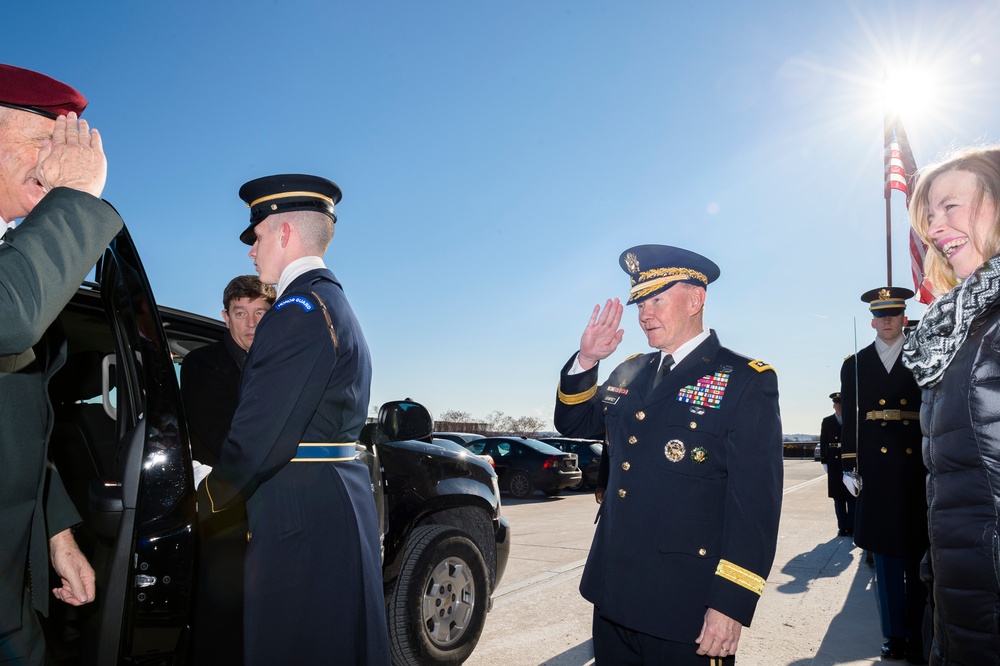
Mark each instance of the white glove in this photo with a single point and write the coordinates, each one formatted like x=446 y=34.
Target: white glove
x=200 y=472
x=852 y=482
x=825 y=468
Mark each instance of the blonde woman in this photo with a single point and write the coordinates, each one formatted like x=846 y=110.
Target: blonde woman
x=955 y=357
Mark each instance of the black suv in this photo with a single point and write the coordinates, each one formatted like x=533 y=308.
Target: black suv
x=120 y=444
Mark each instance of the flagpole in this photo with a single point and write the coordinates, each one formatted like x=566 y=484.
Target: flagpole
x=888 y=213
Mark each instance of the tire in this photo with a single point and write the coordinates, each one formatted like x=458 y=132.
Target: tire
x=520 y=485
x=580 y=486
x=437 y=607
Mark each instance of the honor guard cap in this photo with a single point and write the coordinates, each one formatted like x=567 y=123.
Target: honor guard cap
x=835 y=397
x=286 y=193
x=655 y=268
x=30 y=91
x=887 y=301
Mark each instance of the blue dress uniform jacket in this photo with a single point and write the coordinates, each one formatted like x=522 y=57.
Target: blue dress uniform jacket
x=690 y=516
x=42 y=263
x=313 y=590
x=884 y=446
x=829 y=453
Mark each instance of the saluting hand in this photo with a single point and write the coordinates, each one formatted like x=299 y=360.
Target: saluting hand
x=73 y=157
x=602 y=335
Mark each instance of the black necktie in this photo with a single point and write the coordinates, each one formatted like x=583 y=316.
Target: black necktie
x=668 y=362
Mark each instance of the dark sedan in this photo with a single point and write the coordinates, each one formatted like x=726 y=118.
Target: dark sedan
x=524 y=465
x=588 y=453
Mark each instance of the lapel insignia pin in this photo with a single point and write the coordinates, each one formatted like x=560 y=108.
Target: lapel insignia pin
x=699 y=455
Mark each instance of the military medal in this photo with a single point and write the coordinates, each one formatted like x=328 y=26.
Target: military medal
x=699 y=454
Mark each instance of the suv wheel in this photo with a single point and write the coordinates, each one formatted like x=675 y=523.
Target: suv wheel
x=437 y=608
x=520 y=485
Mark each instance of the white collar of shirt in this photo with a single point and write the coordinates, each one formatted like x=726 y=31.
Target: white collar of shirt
x=687 y=347
x=889 y=353
x=297 y=268
x=4 y=226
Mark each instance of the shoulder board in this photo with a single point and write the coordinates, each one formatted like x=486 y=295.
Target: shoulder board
x=761 y=366
x=295 y=299
x=633 y=356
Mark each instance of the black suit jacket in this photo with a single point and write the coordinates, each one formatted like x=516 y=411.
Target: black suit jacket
x=210 y=386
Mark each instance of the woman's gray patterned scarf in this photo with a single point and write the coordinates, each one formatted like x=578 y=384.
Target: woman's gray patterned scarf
x=929 y=350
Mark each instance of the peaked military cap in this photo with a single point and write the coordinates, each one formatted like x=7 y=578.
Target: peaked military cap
x=835 y=397
x=286 y=193
x=30 y=91
x=887 y=301
x=655 y=268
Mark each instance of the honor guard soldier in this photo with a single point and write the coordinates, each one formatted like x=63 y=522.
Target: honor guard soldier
x=829 y=453
x=52 y=173
x=881 y=445
x=313 y=578
x=689 y=522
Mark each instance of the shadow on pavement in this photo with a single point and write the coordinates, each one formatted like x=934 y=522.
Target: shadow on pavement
x=579 y=655
x=825 y=560
x=854 y=635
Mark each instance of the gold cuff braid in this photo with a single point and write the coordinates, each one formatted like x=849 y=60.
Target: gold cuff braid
x=576 y=398
x=740 y=576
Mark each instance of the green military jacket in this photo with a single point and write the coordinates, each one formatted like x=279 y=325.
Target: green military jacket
x=42 y=263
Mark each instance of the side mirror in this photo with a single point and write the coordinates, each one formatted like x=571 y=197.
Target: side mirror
x=405 y=419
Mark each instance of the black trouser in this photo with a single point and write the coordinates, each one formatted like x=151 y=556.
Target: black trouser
x=615 y=645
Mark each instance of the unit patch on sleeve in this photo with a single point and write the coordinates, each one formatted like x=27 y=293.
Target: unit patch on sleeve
x=707 y=392
x=296 y=299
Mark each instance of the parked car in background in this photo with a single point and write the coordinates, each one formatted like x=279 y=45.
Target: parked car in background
x=120 y=443
x=458 y=448
x=524 y=465
x=818 y=454
x=462 y=438
x=588 y=454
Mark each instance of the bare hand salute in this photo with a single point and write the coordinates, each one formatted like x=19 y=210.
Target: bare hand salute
x=74 y=157
x=602 y=335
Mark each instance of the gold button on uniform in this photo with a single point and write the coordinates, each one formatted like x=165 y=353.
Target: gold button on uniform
x=626 y=466
x=906 y=423
x=902 y=401
x=693 y=425
x=885 y=450
x=702 y=552
x=622 y=493
x=640 y=415
x=909 y=450
x=882 y=401
x=632 y=440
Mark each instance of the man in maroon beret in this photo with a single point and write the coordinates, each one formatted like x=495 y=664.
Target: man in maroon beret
x=52 y=173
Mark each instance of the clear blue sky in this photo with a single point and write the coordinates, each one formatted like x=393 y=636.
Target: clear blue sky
x=496 y=158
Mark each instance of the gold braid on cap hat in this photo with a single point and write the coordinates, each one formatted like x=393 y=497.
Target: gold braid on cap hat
x=655 y=278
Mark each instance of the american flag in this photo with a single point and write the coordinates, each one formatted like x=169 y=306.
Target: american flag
x=900 y=173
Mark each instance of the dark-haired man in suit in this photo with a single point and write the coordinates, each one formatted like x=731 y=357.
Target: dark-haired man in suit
x=210 y=386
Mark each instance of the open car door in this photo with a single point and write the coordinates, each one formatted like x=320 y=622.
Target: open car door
x=120 y=444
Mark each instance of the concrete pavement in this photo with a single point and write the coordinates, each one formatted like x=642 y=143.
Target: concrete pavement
x=818 y=608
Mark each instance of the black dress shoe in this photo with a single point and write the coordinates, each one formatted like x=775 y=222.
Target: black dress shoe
x=869 y=559
x=914 y=652
x=841 y=533
x=894 y=648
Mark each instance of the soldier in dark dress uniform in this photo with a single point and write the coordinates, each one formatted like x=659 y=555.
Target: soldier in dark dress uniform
x=689 y=522
x=881 y=443
x=210 y=387
x=52 y=173
x=313 y=580
x=829 y=453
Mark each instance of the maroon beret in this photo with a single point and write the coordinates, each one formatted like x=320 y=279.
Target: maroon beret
x=30 y=91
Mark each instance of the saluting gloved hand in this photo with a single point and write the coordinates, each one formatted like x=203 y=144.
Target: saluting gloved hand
x=852 y=480
x=200 y=472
